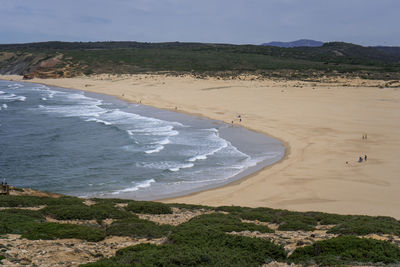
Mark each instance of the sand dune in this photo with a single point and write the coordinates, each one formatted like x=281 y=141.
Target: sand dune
x=321 y=123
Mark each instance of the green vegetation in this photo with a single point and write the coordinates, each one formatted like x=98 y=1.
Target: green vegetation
x=189 y=206
x=58 y=231
x=347 y=250
x=363 y=225
x=293 y=221
x=223 y=60
x=148 y=207
x=197 y=243
x=226 y=223
x=31 y=201
x=31 y=225
x=287 y=220
x=205 y=240
x=136 y=227
x=83 y=212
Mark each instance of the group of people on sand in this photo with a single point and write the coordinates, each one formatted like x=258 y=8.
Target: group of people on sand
x=365 y=157
x=362 y=158
x=239 y=117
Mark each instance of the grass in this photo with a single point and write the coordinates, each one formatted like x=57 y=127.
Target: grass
x=347 y=250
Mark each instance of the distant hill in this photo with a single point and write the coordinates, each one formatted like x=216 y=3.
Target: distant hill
x=298 y=43
x=69 y=59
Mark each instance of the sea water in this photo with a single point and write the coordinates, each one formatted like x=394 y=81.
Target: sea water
x=92 y=145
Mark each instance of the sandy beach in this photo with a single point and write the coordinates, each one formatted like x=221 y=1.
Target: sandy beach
x=321 y=124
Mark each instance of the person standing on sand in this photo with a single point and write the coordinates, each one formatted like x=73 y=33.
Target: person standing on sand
x=365 y=157
x=360 y=159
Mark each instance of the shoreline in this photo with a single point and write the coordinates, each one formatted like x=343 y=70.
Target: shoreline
x=320 y=125
x=252 y=144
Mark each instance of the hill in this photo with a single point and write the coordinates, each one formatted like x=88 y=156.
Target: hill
x=298 y=43
x=69 y=59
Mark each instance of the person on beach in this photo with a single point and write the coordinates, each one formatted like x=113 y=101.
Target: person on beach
x=365 y=157
x=360 y=159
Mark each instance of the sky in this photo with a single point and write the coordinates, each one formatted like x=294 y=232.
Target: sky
x=365 y=22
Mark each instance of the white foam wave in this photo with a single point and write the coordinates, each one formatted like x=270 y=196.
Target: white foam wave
x=217 y=145
x=99 y=121
x=4 y=106
x=162 y=130
x=12 y=97
x=2 y=92
x=183 y=166
x=15 y=86
x=155 y=150
x=138 y=186
x=43 y=98
x=75 y=110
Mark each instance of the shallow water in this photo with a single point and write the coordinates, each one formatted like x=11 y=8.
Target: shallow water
x=88 y=145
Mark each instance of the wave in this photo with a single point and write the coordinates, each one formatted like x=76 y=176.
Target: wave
x=183 y=166
x=206 y=155
x=2 y=92
x=99 y=121
x=155 y=150
x=4 y=106
x=12 y=97
x=221 y=144
x=144 y=184
x=167 y=130
x=15 y=85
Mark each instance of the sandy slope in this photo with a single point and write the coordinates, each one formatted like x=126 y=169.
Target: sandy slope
x=321 y=124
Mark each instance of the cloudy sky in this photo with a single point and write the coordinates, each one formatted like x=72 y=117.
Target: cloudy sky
x=366 y=22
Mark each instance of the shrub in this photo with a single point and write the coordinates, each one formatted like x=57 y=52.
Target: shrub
x=32 y=201
x=135 y=227
x=347 y=250
x=83 y=212
x=189 y=206
x=363 y=225
x=149 y=207
x=225 y=223
x=11 y=223
x=58 y=230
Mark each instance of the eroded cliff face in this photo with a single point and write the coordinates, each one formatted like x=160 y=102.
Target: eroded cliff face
x=32 y=65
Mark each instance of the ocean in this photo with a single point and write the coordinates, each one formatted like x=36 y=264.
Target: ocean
x=92 y=145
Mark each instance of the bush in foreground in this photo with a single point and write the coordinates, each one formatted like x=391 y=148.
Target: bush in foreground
x=347 y=250
x=32 y=201
x=83 y=212
x=363 y=225
x=225 y=223
x=139 y=228
x=51 y=231
x=148 y=207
